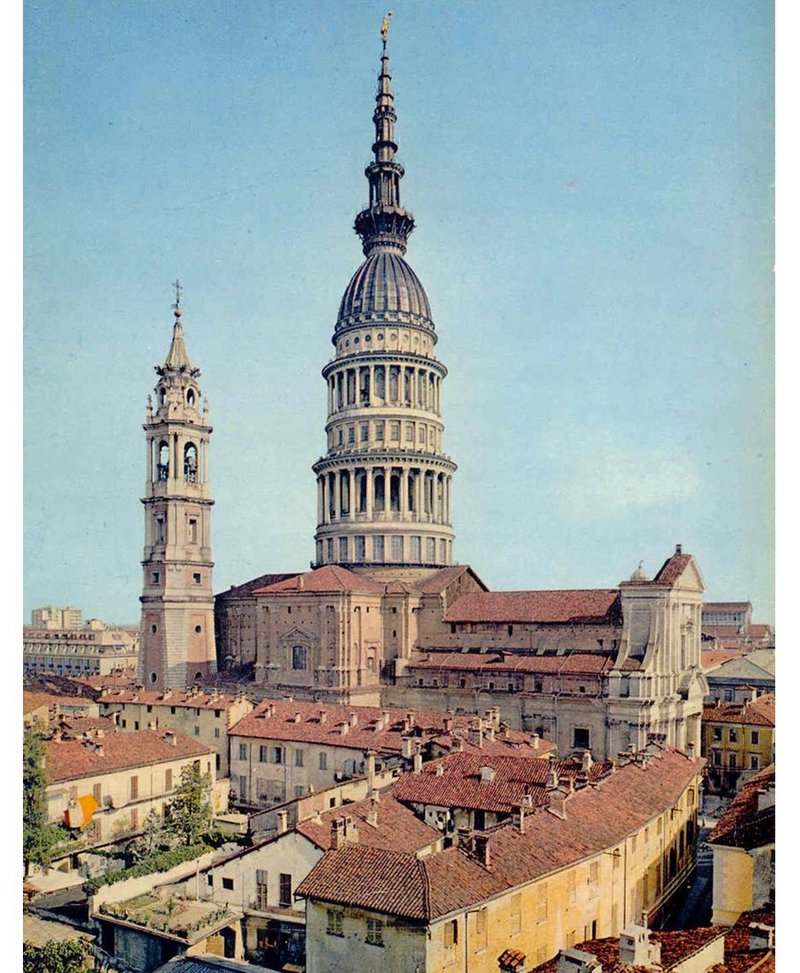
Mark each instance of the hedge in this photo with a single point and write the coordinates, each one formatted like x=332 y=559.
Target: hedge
x=161 y=861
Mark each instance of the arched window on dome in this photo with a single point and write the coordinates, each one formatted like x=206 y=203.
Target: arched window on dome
x=379 y=504
x=190 y=463
x=380 y=381
x=162 y=466
x=363 y=378
x=394 y=492
x=393 y=377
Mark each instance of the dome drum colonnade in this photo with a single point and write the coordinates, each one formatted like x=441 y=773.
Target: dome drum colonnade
x=384 y=487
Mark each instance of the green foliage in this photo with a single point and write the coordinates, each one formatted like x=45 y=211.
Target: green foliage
x=56 y=956
x=161 y=861
x=39 y=839
x=149 y=841
x=189 y=813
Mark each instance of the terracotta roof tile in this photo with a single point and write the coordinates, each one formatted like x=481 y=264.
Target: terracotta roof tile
x=396 y=829
x=184 y=700
x=742 y=824
x=580 y=606
x=574 y=663
x=71 y=759
x=262 y=581
x=329 y=578
x=597 y=818
x=755 y=712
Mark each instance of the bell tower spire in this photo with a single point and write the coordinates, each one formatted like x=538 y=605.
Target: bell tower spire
x=177 y=632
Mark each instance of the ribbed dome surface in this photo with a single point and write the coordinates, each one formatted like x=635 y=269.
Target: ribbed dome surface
x=384 y=283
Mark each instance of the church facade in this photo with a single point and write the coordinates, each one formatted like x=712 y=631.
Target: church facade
x=385 y=617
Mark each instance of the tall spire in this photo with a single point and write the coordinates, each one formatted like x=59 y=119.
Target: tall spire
x=384 y=224
x=177 y=356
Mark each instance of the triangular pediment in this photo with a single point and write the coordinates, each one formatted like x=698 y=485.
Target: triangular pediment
x=741 y=669
x=297 y=634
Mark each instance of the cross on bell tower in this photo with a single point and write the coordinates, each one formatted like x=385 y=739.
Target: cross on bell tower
x=177 y=631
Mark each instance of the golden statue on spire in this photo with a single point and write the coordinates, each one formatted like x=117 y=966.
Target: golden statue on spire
x=385 y=26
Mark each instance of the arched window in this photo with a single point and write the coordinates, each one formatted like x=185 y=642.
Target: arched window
x=190 y=397
x=190 y=463
x=163 y=460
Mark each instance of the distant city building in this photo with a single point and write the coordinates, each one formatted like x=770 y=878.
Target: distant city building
x=52 y=618
x=733 y=613
x=177 y=602
x=94 y=649
x=743 y=844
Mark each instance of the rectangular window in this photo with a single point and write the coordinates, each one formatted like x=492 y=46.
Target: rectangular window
x=196 y=577
x=285 y=891
x=364 y=432
x=409 y=432
x=416 y=549
x=451 y=933
x=192 y=530
x=361 y=548
x=375 y=932
x=754 y=738
x=430 y=549
x=298 y=790
x=134 y=818
x=541 y=902
x=298 y=758
x=97 y=793
x=172 y=710
x=329 y=546
x=594 y=873
x=197 y=731
x=277 y=755
x=299 y=657
x=422 y=434
x=243 y=787
x=754 y=761
x=216 y=732
x=156 y=577
x=397 y=547
x=210 y=879
x=716 y=758
x=516 y=913
x=168 y=780
x=394 y=431
x=580 y=738
x=732 y=761
x=733 y=736
x=243 y=751
x=481 y=929
x=136 y=724
x=716 y=733
x=262 y=754
x=377 y=548
x=379 y=430
x=335 y=923
x=227 y=883
x=343 y=549
x=633 y=846
x=351 y=434
x=134 y=788
x=323 y=761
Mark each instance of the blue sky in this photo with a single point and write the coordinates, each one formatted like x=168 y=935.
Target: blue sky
x=593 y=189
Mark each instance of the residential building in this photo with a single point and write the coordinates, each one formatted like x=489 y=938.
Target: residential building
x=602 y=853
x=51 y=617
x=111 y=782
x=735 y=613
x=204 y=716
x=736 y=679
x=177 y=623
x=284 y=749
x=262 y=881
x=95 y=649
x=738 y=740
x=743 y=844
x=45 y=708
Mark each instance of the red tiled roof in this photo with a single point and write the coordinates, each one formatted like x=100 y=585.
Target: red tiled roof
x=32 y=701
x=127 y=677
x=668 y=573
x=580 y=606
x=505 y=743
x=759 y=630
x=71 y=759
x=711 y=659
x=739 y=958
x=756 y=712
x=152 y=697
x=329 y=578
x=365 y=735
x=247 y=589
x=442 y=579
x=397 y=828
x=460 y=784
x=722 y=631
x=742 y=825
x=597 y=818
x=575 y=663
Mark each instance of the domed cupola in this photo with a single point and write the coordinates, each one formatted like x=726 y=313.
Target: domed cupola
x=384 y=288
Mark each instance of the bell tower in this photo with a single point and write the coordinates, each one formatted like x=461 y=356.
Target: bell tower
x=177 y=629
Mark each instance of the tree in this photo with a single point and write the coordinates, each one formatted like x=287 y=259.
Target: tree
x=39 y=838
x=150 y=840
x=56 y=956
x=189 y=813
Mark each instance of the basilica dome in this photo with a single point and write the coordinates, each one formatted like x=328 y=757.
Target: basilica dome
x=384 y=288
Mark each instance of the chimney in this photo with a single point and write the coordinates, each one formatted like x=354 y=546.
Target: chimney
x=490 y=733
x=762 y=936
x=296 y=718
x=586 y=761
x=372 y=813
x=283 y=822
x=370 y=769
x=448 y=724
x=353 y=719
x=337 y=834
x=577 y=961
x=475 y=734
x=323 y=716
x=417 y=762
x=488 y=775
x=407 y=748
x=408 y=722
x=440 y=770
x=344 y=729
x=350 y=830
x=679 y=548
x=481 y=846
x=169 y=737
x=98 y=749
x=690 y=750
x=635 y=947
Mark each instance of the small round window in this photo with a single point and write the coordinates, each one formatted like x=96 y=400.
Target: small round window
x=153 y=677
x=198 y=629
x=154 y=629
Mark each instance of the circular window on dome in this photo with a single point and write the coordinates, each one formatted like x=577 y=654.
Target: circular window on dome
x=355 y=341
x=153 y=677
x=368 y=338
x=347 y=344
x=393 y=339
x=380 y=337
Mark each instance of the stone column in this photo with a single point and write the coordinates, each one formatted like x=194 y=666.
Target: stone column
x=351 y=497
x=403 y=492
x=370 y=487
x=371 y=399
x=320 y=500
x=337 y=496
